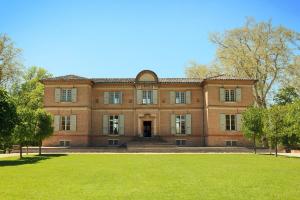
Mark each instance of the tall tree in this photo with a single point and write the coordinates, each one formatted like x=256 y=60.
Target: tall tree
x=195 y=70
x=10 y=65
x=44 y=127
x=8 y=119
x=252 y=125
x=286 y=95
x=260 y=51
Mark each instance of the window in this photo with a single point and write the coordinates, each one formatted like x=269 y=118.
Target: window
x=180 y=124
x=114 y=124
x=66 y=95
x=180 y=98
x=64 y=143
x=113 y=142
x=231 y=143
x=229 y=95
x=147 y=97
x=114 y=97
x=230 y=122
x=180 y=142
x=65 y=123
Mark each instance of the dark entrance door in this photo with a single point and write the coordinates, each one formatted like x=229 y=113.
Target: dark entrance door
x=147 y=128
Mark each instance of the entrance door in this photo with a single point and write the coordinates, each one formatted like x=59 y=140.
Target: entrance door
x=147 y=128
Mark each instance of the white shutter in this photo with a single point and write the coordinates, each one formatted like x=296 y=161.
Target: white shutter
x=73 y=122
x=121 y=124
x=238 y=94
x=56 y=122
x=154 y=96
x=106 y=98
x=74 y=94
x=222 y=122
x=188 y=119
x=105 y=125
x=139 y=96
x=172 y=97
x=222 y=94
x=57 y=94
x=173 y=128
x=188 y=97
x=121 y=97
x=238 y=122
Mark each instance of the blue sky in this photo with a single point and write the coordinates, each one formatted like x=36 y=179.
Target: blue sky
x=120 y=38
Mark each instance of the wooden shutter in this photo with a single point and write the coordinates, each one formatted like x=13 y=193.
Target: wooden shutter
x=74 y=94
x=57 y=94
x=238 y=122
x=222 y=122
x=238 y=94
x=173 y=128
x=188 y=120
x=154 y=96
x=56 y=122
x=139 y=96
x=222 y=94
x=106 y=98
x=121 y=124
x=172 y=97
x=188 y=97
x=105 y=125
x=73 y=122
x=121 y=97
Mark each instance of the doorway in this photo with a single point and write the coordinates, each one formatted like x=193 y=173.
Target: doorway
x=147 y=128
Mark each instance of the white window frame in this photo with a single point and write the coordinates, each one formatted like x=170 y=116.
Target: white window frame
x=230 y=123
x=66 y=95
x=147 y=97
x=180 y=124
x=65 y=123
x=180 y=142
x=115 y=142
x=231 y=143
x=230 y=95
x=180 y=97
x=114 y=97
x=114 y=125
x=64 y=143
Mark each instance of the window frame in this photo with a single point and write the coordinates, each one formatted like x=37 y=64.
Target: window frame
x=65 y=142
x=65 y=123
x=180 y=142
x=147 y=97
x=180 y=97
x=229 y=95
x=180 y=125
x=114 y=125
x=66 y=95
x=115 y=142
x=230 y=122
x=113 y=97
x=231 y=142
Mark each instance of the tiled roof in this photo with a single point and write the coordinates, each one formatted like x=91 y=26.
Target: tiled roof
x=67 y=77
x=227 y=77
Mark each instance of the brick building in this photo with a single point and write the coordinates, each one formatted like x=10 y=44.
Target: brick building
x=115 y=111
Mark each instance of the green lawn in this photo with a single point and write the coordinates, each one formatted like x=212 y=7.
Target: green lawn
x=157 y=177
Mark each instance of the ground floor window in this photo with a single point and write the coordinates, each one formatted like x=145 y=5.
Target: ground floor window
x=64 y=143
x=230 y=122
x=231 y=143
x=114 y=124
x=65 y=123
x=113 y=142
x=180 y=124
x=180 y=142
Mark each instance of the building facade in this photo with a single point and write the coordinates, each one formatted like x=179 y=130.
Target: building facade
x=115 y=111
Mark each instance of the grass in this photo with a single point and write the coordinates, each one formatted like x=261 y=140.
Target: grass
x=158 y=177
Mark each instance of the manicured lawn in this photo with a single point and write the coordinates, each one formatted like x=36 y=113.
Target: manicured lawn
x=157 y=177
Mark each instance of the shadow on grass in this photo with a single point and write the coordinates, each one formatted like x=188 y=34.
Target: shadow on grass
x=28 y=160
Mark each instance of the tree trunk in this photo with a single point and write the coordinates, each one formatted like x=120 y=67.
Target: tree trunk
x=276 y=150
x=254 y=144
x=21 y=151
x=40 y=148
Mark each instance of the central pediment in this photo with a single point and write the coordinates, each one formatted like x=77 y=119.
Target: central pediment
x=146 y=76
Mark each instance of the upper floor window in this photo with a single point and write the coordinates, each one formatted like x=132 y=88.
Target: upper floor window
x=114 y=124
x=147 y=97
x=66 y=95
x=180 y=98
x=180 y=124
x=230 y=122
x=229 y=95
x=114 y=97
x=65 y=123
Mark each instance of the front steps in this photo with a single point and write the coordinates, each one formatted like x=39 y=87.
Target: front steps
x=151 y=144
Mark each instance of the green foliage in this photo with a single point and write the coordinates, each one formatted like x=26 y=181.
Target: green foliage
x=286 y=95
x=252 y=122
x=8 y=119
x=44 y=127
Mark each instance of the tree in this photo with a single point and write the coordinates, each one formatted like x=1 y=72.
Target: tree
x=260 y=51
x=274 y=125
x=10 y=66
x=286 y=95
x=44 y=127
x=252 y=125
x=8 y=119
x=195 y=70
x=25 y=129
